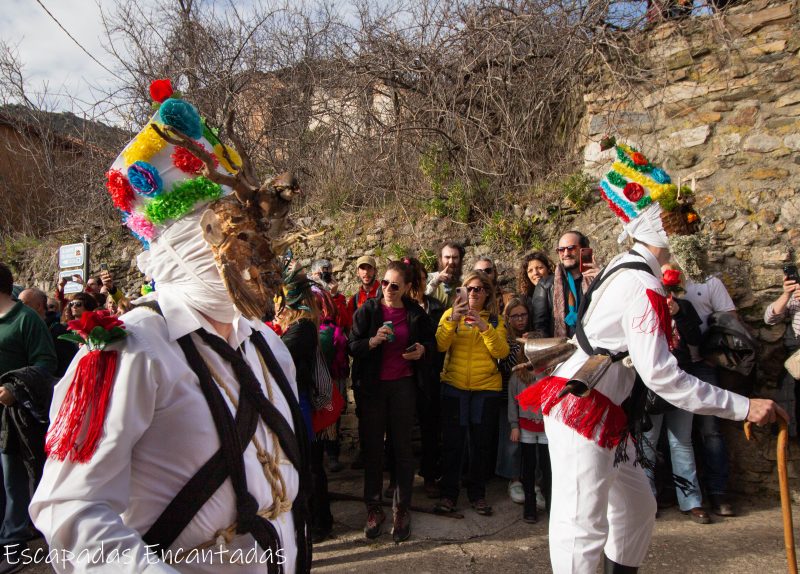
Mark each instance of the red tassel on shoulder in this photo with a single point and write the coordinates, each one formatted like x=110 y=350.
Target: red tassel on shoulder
x=79 y=425
x=661 y=308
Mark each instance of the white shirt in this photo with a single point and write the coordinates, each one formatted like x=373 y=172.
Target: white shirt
x=707 y=298
x=624 y=319
x=158 y=432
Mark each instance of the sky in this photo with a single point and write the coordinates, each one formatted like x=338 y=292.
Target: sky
x=51 y=61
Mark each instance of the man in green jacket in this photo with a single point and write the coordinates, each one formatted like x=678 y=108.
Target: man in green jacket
x=24 y=342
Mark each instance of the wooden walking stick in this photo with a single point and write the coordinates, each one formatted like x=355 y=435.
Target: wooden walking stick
x=783 y=481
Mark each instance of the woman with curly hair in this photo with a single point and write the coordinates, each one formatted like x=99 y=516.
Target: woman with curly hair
x=534 y=268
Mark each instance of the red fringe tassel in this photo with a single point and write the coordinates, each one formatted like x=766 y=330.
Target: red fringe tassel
x=594 y=417
x=86 y=400
x=661 y=308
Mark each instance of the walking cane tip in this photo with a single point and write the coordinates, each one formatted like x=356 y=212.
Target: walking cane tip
x=748 y=431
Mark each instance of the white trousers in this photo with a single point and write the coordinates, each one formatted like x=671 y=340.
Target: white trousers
x=596 y=507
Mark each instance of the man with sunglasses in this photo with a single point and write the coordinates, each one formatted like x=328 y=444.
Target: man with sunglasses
x=24 y=342
x=558 y=296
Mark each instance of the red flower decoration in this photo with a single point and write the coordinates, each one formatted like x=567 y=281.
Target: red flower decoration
x=633 y=191
x=189 y=163
x=91 y=319
x=672 y=278
x=639 y=158
x=160 y=90
x=120 y=190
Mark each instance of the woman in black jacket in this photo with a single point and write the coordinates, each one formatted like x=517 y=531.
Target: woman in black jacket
x=299 y=320
x=389 y=342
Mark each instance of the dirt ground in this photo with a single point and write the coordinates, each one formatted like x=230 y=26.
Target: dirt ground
x=503 y=544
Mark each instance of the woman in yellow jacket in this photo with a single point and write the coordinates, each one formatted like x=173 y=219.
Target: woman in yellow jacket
x=473 y=335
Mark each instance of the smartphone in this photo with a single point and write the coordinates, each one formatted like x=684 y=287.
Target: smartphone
x=103 y=267
x=411 y=348
x=461 y=295
x=790 y=272
x=587 y=256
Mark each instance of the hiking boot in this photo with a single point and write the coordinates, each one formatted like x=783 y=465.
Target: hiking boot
x=698 y=515
x=375 y=519
x=401 y=525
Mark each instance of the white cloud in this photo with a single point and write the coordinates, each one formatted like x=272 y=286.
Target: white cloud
x=51 y=60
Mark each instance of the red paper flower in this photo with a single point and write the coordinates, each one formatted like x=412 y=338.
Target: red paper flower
x=160 y=90
x=189 y=163
x=633 y=191
x=120 y=190
x=95 y=329
x=672 y=278
x=639 y=158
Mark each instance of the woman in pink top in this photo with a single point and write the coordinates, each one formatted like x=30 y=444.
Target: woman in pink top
x=391 y=338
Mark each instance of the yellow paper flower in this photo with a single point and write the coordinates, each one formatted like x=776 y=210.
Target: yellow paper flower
x=236 y=161
x=144 y=146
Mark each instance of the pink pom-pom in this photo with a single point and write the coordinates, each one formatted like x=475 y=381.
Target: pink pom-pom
x=141 y=226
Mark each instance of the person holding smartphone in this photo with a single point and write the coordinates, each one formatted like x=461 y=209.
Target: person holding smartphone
x=391 y=339
x=787 y=308
x=473 y=335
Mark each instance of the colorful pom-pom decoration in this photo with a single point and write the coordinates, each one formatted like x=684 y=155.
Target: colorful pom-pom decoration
x=660 y=176
x=140 y=226
x=210 y=134
x=633 y=191
x=160 y=90
x=691 y=217
x=145 y=179
x=120 y=190
x=639 y=159
x=144 y=146
x=181 y=199
x=236 y=162
x=181 y=116
x=189 y=163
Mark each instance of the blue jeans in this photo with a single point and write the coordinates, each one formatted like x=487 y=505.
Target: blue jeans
x=18 y=496
x=509 y=457
x=715 y=452
x=679 y=434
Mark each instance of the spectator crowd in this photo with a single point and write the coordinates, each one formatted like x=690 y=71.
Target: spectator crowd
x=438 y=350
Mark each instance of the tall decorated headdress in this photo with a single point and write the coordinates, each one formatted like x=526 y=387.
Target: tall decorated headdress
x=177 y=166
x=653 y=209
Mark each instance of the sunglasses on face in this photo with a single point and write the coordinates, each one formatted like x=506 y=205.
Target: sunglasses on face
x=487 y=270
x=518 y=316
x=76 y=304
x=474 y=289
x=566 y=248
x=391 y=286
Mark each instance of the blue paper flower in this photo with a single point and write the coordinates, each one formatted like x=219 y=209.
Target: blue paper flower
x=182 y=116
x=660 y=175
x=144 y=179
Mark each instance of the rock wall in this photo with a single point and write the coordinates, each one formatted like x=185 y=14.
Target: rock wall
x=722 y=106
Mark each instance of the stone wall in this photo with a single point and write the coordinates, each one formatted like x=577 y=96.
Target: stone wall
x=725 y=110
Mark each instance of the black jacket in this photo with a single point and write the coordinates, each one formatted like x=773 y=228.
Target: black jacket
x=366 y=322
x=302 y=338
x=541 y=307
x=24 y=424
x=687 y=321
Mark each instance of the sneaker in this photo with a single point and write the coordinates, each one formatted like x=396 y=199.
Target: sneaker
x=516 y=492
x=482 y=507
x=721 y=507
x=541 y=503
x=401 y=525
x=375 y=519
x=444 y=506
x=334 y=465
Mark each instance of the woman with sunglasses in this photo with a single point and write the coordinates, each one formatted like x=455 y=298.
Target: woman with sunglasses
x=391 y=338
x=80 y=304
x=474 y=337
